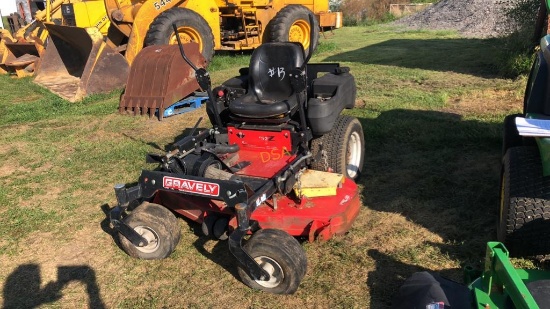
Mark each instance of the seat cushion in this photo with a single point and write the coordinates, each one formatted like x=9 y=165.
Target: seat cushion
x=250 y=107
x=270 y=92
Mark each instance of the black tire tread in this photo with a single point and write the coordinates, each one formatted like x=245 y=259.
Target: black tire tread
x=283 y=248
x=278 y=27
x=162 y=24
x=159 y=217
x=524 y=225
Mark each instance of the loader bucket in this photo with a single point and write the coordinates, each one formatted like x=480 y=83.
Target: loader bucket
x=20 y=58
x=16 y=57
x=3 y=51
x=77 y=62
x=159 y=77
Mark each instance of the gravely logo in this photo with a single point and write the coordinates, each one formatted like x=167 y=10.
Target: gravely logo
x=192 y=186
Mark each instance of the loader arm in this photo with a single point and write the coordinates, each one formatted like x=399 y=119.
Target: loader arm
x=22 y=34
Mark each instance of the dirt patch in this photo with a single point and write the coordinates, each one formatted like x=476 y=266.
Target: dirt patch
x=49 y=197
x=485 y=102
x=161 y=133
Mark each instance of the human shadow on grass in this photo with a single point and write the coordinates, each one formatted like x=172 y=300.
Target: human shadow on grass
x=475 y=56
x=437 y=170
x=22 y=288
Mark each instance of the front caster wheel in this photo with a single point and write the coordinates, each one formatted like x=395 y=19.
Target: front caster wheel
x=158 y=226
x=281 y=255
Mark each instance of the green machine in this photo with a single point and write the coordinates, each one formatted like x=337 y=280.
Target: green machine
x=503 y=286
x=524 y=214
x=500 y=286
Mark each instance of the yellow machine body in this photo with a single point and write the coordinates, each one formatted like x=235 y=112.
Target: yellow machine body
x=20 y=52
x=133 y=18
x=233 y=25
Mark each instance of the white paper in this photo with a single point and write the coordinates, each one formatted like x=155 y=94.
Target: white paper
x=533 y=127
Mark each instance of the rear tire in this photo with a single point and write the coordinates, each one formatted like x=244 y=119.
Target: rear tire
x=291 y=24
x=191 y=27
x=281 y=255
x=524 y=215
x=344 y=146
x=158 y=225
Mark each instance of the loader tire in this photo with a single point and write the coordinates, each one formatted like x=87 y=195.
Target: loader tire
x=291 y=24
x=342 y=149
x=524 y=214
x=158 y=226
x=191 y=27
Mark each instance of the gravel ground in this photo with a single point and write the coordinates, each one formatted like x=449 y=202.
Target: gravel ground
x=472 y=18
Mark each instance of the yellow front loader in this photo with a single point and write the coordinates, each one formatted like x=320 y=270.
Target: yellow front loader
x=212 y=24
x=20 y=53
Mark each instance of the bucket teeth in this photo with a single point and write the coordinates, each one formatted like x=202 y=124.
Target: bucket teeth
x=159 y=77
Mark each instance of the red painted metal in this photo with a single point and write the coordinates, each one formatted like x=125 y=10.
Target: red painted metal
x=266 y=152
x=315 y=218
x=320 y=217
x=192 y=207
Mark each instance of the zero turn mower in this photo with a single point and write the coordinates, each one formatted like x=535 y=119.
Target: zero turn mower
x=279 y=163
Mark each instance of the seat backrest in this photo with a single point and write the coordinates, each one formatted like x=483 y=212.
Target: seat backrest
x=270 y=66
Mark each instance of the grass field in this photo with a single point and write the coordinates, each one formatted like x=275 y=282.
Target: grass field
x=431 y=105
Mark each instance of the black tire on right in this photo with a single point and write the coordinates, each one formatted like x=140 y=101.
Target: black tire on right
x=337 y=143
x=279 y=28
x=160 y=31
x=524 y=214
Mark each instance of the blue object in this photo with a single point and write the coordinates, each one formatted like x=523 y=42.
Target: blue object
x=186 y=105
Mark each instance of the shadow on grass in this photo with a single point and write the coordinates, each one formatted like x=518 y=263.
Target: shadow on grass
x=219 y=253
x=467 y=56
x=437 y=170
x=22 y=287
x=389 y=275
x=105 y=224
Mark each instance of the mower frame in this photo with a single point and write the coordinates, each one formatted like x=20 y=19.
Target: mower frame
x=254 y=194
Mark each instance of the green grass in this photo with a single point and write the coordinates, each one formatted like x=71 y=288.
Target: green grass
x=431 y=105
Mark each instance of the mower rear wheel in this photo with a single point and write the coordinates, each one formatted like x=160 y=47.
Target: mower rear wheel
x=191 y=26
x=281 y=255
x=343 y=147
x=158 y=226
x=524 y=214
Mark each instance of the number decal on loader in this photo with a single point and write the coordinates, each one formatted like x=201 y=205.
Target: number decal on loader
x=159 y=4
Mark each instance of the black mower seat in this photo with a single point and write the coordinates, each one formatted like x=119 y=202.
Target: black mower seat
x=270 y=93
